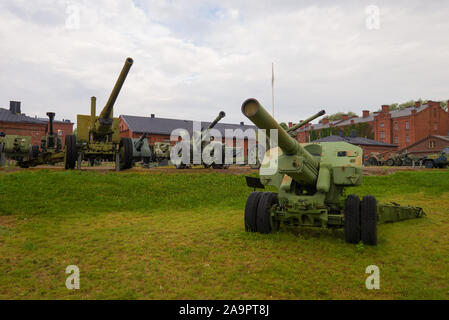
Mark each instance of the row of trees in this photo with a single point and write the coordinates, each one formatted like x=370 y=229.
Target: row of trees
x=361 y=129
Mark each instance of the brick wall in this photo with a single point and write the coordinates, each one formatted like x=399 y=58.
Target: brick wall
x=428 y=145
x=36 y=131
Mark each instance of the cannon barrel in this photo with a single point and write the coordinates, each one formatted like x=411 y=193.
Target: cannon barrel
x=221 y=115
x=51 y=117
x=254 y=111
x=139 y=143
x=109 y=107
x=303 y=123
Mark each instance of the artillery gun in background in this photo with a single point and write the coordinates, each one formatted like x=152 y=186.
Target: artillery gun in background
x=310 y=179
x=142 y=151
x=51 y=148
x=205 y=140
x=374 y=159
x=257 y=152
x=98 y=137
x=17 y=148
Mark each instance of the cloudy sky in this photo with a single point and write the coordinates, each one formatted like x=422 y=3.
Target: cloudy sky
x=194 y=58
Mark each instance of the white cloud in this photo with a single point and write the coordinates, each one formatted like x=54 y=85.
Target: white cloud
x=195 y=58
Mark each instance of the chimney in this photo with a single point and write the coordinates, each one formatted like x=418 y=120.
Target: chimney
x=414 y=111
x=417 y=104
x=365 y=113
x=325 y=121
x=290 y=124
x=242 y=123
x=344 y=117
x=14 y=107
x=153 y=116
x=385 y=108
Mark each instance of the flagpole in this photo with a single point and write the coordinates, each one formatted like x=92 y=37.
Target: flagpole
x=272 y=86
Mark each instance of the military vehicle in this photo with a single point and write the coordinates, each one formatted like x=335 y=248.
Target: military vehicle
x=257 y=152
x=142 y=151
x=205 y=140
x=437 y=160
x=17 y=148
x=374 y=159
x=98 y=137
x=310 y=179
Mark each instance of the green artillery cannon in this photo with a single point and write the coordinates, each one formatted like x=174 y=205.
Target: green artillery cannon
x=254 y=160
x=310 y=179
x=98 y=137
x=51 y=148
x=199 y=147
x=17 y=148
x=142 y=151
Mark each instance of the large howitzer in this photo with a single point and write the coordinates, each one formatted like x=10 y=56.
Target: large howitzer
x=98 y=137
x=201 y=140
x=310 y=179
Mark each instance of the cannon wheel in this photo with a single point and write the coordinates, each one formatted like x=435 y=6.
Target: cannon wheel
x=390 y=162
x=429 y=164
x=408 y=162
x=126 y=153
x=71 y=153
x=352 y=219
x=265 y=222
x=251 y=211
x=369 y=221
x=372 y=161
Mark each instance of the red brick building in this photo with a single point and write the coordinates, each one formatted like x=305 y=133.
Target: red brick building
x=428 y=145
x=399 y=127
x=13 y=122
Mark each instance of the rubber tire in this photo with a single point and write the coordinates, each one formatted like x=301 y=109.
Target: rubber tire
x=352 y=219
x=251 y=211
x=127 y=161
x=267 y=201
x=429 y=164
x=71 y=152
x=369 y=221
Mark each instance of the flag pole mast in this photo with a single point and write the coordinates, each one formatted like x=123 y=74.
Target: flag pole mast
x=272 y=86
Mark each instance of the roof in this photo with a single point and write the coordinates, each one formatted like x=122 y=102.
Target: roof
x=8 y=116
x=356 y=140
x=445 y=138
x=407 y=111
x=166 y=126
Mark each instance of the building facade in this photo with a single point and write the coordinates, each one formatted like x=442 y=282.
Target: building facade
x=14 y=122
x=428 y=145
x=399 y=127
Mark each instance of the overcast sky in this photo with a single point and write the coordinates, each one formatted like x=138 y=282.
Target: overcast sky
x=194 y=58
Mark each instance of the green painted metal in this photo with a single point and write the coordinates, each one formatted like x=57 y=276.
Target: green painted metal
x=310 y=179
x=98 y=137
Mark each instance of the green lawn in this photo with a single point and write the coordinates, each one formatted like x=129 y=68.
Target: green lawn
x=181 y=236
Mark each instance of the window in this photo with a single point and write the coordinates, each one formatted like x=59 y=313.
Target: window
x=382 y=124
x=396 y=139
x=435 y=126
x=396 y=126
x=407 y=126
x=435 y=112
x=431 y=144
x=60 y=132
x=407 y=139
x=382 y=135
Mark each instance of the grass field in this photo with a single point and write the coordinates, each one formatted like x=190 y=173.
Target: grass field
x=181 y=236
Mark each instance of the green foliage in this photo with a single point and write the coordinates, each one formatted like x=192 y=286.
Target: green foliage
x=339 y=116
